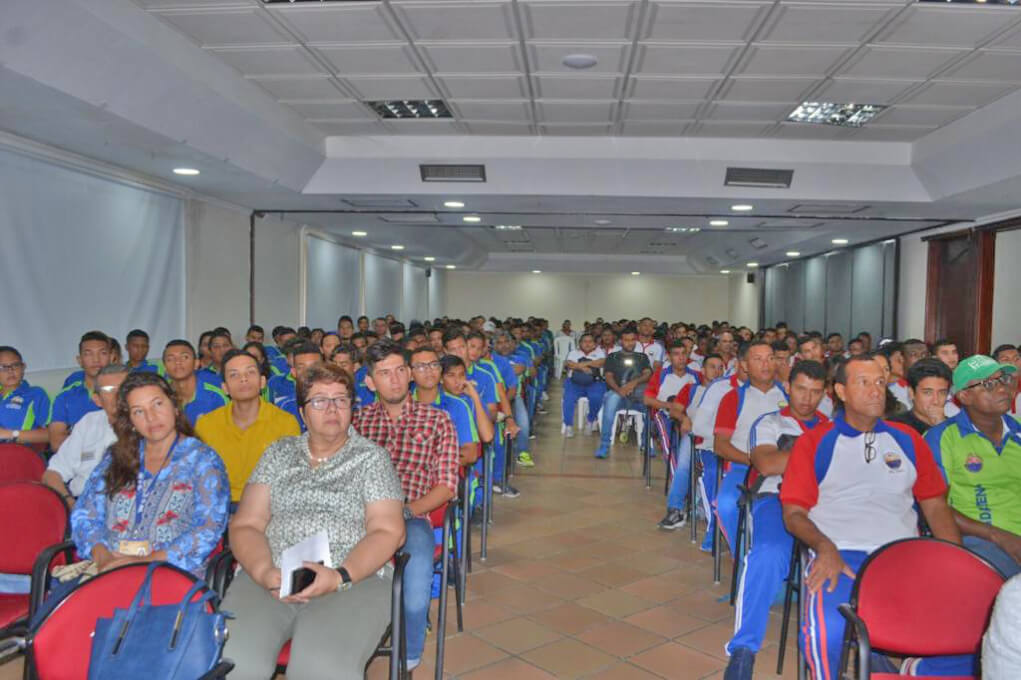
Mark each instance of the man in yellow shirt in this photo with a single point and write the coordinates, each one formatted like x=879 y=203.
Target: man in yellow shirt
x=241 y=430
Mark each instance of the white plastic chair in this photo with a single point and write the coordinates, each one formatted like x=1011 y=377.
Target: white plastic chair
x=561 y=346
x=580 y=414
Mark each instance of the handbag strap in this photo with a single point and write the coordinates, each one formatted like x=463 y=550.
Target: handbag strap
x=144 y=594
x=195 y=589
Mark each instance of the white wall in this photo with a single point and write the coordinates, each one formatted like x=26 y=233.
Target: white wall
x=437 y=293
x=744 y=300
x=1007 y=287
x=581 y=297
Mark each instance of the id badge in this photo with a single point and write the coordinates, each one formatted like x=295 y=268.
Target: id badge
x=134 y=548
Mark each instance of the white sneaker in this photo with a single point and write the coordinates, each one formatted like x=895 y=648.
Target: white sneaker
x=569 y=432
x=589 y=427
x=545 y=396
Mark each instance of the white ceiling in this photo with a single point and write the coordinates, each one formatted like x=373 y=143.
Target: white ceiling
x=717 y=68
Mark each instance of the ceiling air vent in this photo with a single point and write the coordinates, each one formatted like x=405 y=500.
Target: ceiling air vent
x=453 y=173
x=381 y=202
x=762 y=178
x=828 y=208
x=410 y=218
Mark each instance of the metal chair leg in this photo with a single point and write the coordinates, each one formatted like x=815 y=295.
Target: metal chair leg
x=646 y=449
x=487 y=499
x=441 y=625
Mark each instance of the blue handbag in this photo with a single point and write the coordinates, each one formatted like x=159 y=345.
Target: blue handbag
x=177 y=641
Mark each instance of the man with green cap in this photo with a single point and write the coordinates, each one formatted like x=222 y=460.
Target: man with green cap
x=979 y=452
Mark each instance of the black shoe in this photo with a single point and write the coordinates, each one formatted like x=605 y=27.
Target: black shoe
x=674 y=519
x=742 y=660
x=510 y=492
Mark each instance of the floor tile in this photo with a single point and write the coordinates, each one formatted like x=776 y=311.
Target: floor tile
x=569 y=618
x=508 y=669
x=517 y=635
x=666 y=620
x=569 y=658
x=615 y=603
x=620 y=638
x=672 y=660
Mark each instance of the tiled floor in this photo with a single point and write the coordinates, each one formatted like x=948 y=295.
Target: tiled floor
x=579 y=583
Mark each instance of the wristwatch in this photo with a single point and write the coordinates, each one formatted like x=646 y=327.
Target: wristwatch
x=345 y=580
x=14 y=435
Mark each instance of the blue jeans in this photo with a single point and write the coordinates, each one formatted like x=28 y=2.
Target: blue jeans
x=613 y=402
x=727 y=496
x=418 y=578
x=682 y=476
x=572 y=393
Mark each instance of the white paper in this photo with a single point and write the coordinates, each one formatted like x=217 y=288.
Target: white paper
x=315 y=548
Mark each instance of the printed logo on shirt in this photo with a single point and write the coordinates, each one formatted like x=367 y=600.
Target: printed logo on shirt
x=16 y=401
x=973 y=463
x=88 y=455
x=893 y=461
x=782 y=404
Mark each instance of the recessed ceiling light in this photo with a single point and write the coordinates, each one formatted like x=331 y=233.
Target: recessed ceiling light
x=603 y=222
x=832 y=113
x=190 y=172
x=359 y=233
x=718 y=223
x=451 y=266
x=635 y=273
x=537 y=271
x=840 y=241
x=395 y=247
x=507 y=227
x=471 y=218
x=752 y=265
x=677 y=230
x=793 y=253
x=429 y=258
x=742 y=207
x=410 y=108
x=580 y=61
x=724 y=271
x=453 y=204
x=694 y=229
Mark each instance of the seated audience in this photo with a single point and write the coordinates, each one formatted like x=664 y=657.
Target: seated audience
x=194 y=396
x=345 y=328
x=24 y=408
x=423 y=446
x=426 y=371
x=979 y=453
x=242 y=429
x=220 y=344
x=584 y=379
x=69 y=468
x=893 y=352
x=840 y=499
x=1008 y=354
x=75 y=400
x=946 y=351
x=282 y=393
x=255 y=333
x=626 y=372
x=332 y=480
x=928 y=386
x=160 y=494
x=138 y=353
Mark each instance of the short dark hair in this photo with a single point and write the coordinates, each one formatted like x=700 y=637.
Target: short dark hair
x=283 y=330
x=713 y=355
x=303 y=347
x=780 y=346
x=417 y=332
x=809 y=368
x=742 y=351
x=833 y=335
x=137 y=333
x=420 y=350
x=891 y=348
x=203 y=336
x=397 y=327
x=363 y=317
x=996 y=352
x=628 y=330
x=865 y=334
x=93 y=336
x=11 y=350
x=477 y=335
x=928 y=368
x=382 y=350
x=181 y=342
x=347 y=349
x=345 y=318
x=840 y=376
x=256 y=328
x=234 y=354
x=220 y=333
x=326 y=374
x=943 y=342
x=452 y=333
x=449 y=361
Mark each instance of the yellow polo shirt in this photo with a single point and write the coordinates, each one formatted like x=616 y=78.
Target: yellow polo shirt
x=241 y=449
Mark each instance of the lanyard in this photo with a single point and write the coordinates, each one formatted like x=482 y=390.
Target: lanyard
x=139 y=494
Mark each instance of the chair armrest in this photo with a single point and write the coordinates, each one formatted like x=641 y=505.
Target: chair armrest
x=856 y=631
x=41 y=573
x=219 y=671
x=216 y=572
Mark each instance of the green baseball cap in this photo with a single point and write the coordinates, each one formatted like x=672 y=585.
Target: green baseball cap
x=978 y=367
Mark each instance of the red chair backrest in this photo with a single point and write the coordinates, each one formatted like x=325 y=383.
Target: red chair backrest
x=61 y=645
x=34 y=517
x=926 y=597
x=20 y=464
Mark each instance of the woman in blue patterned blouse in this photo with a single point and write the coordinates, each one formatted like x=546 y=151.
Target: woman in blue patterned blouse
x=159 y=494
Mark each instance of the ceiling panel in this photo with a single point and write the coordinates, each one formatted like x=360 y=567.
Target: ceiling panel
x=370 y=59
x=811 y=131
x=226 y=27
x=567 y=87
x=835 y=22
x=804 y=60
x=333 y=109
x=904 y=62
x=750 y=112
x=472 y=57
x=726 y=129
x=344 y=127
x=659 y=110
x=336 y=23
x=575 y=112
x=920 y=115
x=484 y=87
x=1001 y=66
x=423 y=127
x=547 y=58
x=392 y=87
x=497 y=128
x=695 y=60
x=703 y=21
x=466 y=20
x=578 y=19
x=766 y=89
x=316 y=87
x=645 y=128
x=647 y=87
x=936 y=25
x=869 y=91
x=570 y=129
x=949 y=93
x=495 y=110
x=892 y=133
x=269 y=61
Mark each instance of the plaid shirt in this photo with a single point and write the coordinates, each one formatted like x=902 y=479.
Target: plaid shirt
x=422 y=445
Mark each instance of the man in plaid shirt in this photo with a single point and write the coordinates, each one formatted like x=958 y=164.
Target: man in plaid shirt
x=422 y=442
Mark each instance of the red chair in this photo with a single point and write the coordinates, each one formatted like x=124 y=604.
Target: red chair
x=918 y=597
x=20 y=464
x=34 y=517
x=60 y=645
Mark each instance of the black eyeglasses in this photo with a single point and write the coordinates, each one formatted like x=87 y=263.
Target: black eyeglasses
x=990 y=384
x=870 y=447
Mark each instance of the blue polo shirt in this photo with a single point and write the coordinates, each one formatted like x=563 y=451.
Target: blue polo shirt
x=506 y=368
x=460 y=413
x=77 y=376
x=71 y=403
x=277 y=359
x=490 y=367
x=284 y=395
x=206 y=398
x=208 y=375
x=24 y=408
x=485 y=385
x=363 y=395
x=149 y=367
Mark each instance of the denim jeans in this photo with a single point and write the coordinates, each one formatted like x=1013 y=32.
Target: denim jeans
x=418 y=578
x=521 y=418
x=613 y=402
x=682 y=476
x=572 y=393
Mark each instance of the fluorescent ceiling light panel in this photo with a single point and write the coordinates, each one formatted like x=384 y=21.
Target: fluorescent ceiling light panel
x=410 y=108
x=835 y=113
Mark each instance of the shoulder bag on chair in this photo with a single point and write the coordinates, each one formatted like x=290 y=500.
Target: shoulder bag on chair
x=583 y=379
x=172 y=642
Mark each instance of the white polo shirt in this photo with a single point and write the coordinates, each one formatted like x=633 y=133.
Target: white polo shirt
x=768 y=429
x=861 y=497
x=704 y=422
x=82 y=450
x=651 y=349
x=826 y=406
x=740 y=408
x=576 y=355
x=899 y=389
